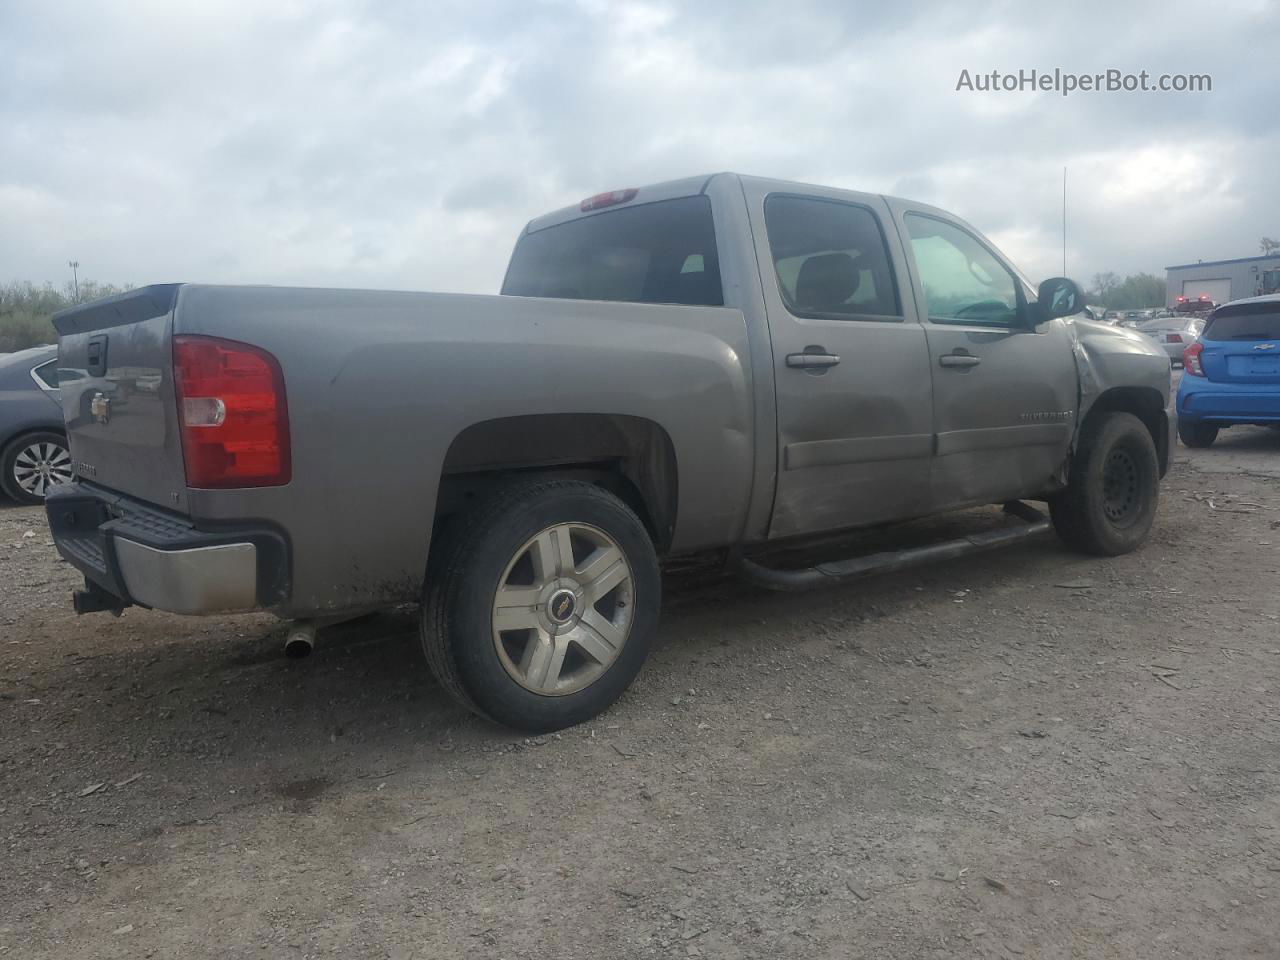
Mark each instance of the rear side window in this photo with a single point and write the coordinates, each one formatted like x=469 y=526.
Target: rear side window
x=1261 y=322
x=662 y=252
x=47 y=374
x=831 y=259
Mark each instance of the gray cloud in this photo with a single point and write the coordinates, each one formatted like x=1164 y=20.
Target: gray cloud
x=401 y=144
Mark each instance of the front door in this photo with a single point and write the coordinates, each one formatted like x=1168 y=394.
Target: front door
x=1004 y=391
x=851 y=365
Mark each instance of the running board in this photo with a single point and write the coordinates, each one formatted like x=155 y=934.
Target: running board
x=826 y=574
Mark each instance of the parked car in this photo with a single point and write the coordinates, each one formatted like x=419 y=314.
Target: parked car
x=1174 y=334
x=33 y=443
x=719 y=364
x=1197 y=306
x=1232 y=373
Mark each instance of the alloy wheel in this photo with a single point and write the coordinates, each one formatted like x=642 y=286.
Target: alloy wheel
x=563 y=609
x=41 y=465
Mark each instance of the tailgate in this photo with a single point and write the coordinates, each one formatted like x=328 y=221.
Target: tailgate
x=115 y=361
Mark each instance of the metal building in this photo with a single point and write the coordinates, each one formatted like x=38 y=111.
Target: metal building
x=1223 y=280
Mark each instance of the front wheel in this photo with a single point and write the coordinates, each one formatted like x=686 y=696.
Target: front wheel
x=540 y=612
x=1113 y=488
x=1193 y=434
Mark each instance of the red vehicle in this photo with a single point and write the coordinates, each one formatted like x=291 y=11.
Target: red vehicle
x=1198 y=305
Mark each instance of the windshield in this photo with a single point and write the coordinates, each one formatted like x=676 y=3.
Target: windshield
x=662 y=252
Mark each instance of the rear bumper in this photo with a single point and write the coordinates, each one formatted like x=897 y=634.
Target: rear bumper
x=1227 y=403
x=137 y=554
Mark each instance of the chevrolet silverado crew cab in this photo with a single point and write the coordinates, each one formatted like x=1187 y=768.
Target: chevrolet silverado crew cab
x=718 y=364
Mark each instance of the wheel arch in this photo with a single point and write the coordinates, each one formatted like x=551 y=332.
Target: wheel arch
x=1146 y=404
x=632 y=457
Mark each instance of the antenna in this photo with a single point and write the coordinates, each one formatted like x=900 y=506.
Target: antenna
x=1064 y=221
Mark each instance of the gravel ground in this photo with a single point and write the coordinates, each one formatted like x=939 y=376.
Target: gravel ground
x=1030 y=754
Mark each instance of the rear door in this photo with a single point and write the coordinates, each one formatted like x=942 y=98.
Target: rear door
x=851 y=366
x=1241 y=343
x=1004 y=393
x=115 y=374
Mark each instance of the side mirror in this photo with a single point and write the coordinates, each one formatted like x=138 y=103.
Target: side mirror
x=1059 y=297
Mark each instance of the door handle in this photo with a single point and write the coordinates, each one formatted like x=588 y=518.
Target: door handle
x=958 y=360
x=812 y=360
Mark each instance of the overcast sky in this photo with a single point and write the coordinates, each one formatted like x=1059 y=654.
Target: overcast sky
x=404 y=144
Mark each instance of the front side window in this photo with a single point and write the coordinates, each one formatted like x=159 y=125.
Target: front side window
x=662 y=252
x=831 y=259
x=963 y=281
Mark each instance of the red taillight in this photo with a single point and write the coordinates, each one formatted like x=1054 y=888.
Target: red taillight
x=1182 y=299
x=1173 y=338
x=232 y=414
x=608 y=199
x=1191 y=360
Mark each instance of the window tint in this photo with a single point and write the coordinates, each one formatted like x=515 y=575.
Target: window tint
x=662 y=252
x=963 y=281
x=830 y=258
x=1260 y=322
x=47 y=373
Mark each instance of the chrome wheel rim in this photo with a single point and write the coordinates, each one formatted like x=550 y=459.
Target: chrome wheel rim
x=39 y=466
x=563 y=608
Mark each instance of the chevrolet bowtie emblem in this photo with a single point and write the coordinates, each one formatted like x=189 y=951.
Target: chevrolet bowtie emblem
x=100 y=407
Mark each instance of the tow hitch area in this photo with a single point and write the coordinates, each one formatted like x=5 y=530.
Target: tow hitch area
x=826 y=574
x=93 y=599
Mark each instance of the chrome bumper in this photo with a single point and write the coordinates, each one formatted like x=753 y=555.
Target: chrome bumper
x=131 y=552
x=221 y=579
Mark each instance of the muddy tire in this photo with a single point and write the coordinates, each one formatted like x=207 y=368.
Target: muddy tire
x=1199 y=435
x=1113 y=490
x=540 y=607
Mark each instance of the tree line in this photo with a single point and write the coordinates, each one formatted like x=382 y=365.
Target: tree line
x=1136 y=292
x=26 y=311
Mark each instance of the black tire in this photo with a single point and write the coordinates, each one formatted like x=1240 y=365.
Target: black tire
x=1113 y=488
x=466 y=570
x=9 y=481
x=1199 y=435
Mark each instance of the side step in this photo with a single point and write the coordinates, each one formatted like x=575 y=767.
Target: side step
x=826 y=574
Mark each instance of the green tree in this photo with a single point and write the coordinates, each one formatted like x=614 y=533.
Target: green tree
x=1269 y=246
x=1103 y=284
x=26 y=311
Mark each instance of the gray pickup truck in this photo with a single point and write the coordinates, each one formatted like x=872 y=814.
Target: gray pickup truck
x=718 y=364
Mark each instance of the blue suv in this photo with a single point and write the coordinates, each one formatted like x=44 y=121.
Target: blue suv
x=1232 y=373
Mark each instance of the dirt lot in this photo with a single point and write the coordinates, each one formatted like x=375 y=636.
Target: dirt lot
x=1028 y=754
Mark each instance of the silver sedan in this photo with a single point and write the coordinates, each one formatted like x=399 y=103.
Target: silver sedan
x=1174 y=334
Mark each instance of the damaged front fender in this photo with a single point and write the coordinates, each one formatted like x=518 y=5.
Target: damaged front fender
x=1123 y=370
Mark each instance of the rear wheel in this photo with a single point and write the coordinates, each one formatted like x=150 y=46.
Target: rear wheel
x=539 y=612
x=32 y=464
x=1113 y=490
x=1193 y=434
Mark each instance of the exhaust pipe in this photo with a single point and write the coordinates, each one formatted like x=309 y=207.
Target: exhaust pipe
x=301 y=639
x=302 y=633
